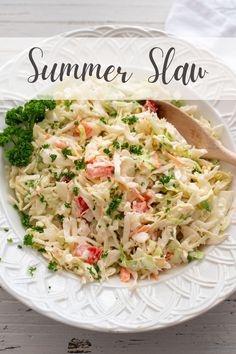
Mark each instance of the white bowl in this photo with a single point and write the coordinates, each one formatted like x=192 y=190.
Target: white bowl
x=178 y=295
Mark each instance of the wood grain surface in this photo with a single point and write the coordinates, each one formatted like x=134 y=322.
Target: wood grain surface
x=22 y=330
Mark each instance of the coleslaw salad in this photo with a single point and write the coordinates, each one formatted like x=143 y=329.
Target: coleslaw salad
x=113 y=189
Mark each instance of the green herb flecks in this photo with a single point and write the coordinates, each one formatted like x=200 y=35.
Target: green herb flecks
x=124 y=145
x=38 y=228
x=45 y=146
x=32 y=270
x=107 y=152
x=53 y=266
x=130 y=120
x=136 y=149
x=28 y=240
x=66 y=152
x=165 y=179
x=76 y=191
x=104 y=255
x=42 y=199
x=80 y=164
x=116 y=144
x=114 y=204
x=103 y=120
x=53 y=157
x=94 y=271
x=41 y=250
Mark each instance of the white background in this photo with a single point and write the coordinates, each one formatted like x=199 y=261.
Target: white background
x=22 y=330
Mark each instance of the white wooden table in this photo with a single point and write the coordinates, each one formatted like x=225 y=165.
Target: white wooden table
x=22 y=330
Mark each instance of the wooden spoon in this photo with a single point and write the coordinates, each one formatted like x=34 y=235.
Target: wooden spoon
x=194 y=133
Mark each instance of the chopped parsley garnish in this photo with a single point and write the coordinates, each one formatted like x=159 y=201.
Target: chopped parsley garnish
x=76 y=191
x=80 y=164
x=25 y=220
x=41 y=250
x=30 y=183
x=108 y=152
x=10 y=240
x=68 y=174
x=116 y=144
x=45 y=146
x=42 y=199
x=66 y=152
x=18 y=135
x=166 y=179
x=38 y=228
x=130 y=120
x=53 y=266
x=104 y=255
x=125 y=145
x=196 y=169
x=61 y=218
x=67 y=205
x=119 y=216
x=6 y=229
x=205 y=205
x=94 y=272
x=136 y=149
x=31 y=270
x=53 y=157
x=104 y=120
x=28 y=240
x=20 y=247
x=114 y=204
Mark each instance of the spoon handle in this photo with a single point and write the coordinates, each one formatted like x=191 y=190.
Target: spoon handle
x=225 y=155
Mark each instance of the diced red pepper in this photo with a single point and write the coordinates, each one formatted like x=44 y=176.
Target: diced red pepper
x=94 y=254
x=83 y=206
x=150 y=106
x=90 y=254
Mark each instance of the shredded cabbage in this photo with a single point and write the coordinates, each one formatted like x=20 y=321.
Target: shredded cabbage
x=113 y=189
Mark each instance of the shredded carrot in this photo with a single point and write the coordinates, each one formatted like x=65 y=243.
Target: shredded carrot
x=156 y=160
x=61 y=144
x=143 y=228
x=76 y=130
x=135 y=194
x=174 y=159
x=122 y=188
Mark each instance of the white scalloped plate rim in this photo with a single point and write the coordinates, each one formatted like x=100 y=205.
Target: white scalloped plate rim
x=107 y=307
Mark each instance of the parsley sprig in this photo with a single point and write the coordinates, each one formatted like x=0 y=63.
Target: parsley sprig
x=17 y=136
